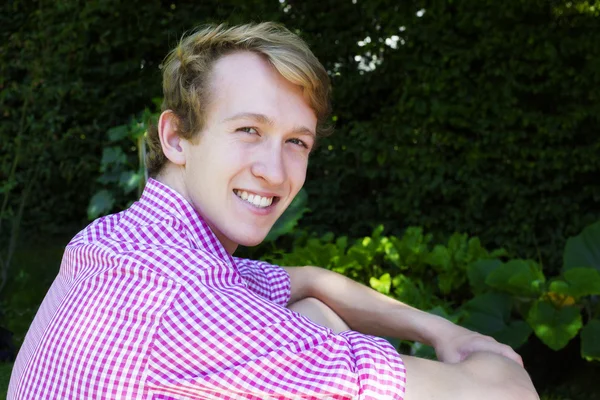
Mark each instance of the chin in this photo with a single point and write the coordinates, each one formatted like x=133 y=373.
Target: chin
x=251 y=240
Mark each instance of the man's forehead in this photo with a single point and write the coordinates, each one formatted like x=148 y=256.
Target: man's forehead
x=240 y=65
x=245 y=83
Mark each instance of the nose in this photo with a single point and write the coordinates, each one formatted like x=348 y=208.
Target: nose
x=269 y=165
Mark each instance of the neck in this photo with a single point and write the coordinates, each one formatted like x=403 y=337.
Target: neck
x=171 y=177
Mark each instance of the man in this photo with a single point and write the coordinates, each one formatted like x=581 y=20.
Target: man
x=150 y=304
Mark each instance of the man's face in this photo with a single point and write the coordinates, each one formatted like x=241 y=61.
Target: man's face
x=243 y=170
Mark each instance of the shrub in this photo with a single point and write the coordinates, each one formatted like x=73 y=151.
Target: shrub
x=480 y=289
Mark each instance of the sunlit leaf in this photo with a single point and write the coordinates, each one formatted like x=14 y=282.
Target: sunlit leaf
x=383 y=284
x=554 y=326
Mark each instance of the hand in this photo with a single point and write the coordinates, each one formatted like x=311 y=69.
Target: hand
x=455 y=343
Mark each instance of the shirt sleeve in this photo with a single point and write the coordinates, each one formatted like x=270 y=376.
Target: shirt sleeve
x=220 y=340
x=266 y=280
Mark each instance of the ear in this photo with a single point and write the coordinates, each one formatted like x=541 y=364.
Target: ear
x=169 y=138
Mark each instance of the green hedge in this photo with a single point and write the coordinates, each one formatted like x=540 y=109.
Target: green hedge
x=485 y=121
x=476 y=116
x=509 y=299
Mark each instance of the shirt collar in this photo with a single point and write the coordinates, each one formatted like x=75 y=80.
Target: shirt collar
x=169 y=201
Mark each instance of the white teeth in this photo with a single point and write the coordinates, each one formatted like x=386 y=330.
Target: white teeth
x=254 y=199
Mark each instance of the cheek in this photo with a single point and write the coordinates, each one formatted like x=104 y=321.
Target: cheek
x=226 y=160
x=297 y=165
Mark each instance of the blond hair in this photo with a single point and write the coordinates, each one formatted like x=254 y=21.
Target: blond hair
x=187 y=70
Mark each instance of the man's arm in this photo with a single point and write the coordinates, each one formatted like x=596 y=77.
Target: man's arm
x=480 y=375
x=368 y=311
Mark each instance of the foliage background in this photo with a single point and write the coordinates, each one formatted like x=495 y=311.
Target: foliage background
x=472 y=116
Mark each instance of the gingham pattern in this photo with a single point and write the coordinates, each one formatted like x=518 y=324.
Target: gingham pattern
x=148 y=305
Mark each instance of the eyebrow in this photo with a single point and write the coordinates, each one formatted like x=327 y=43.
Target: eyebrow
x=263 y=119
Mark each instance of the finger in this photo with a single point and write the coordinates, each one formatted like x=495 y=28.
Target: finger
x=507 y=351
x=453 y=357
x=513 y=355
x=494 y=347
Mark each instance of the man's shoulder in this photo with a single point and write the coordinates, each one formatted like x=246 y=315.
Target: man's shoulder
x=130 y=229
x=161 y=242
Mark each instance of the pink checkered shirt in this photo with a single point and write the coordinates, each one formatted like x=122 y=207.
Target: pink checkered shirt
x=149 y=305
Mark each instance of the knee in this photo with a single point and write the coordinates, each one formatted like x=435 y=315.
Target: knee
x=496 y=371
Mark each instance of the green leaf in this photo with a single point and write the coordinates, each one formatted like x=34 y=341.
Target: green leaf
x=137 y=129
x=129 y=181
x=590 y=340
x=489 y=314
x=475 y=251
x=582 y=281
x=583 y=250
x=100 y=204
x=109 y=177
x=342 y=243
x=515 y=334
x=112 y=156
x=498 y=253
x=559 y=286
x=440 y=258
x=362 y=251
x=423 y=351
x=479 y=271
x=441 y=312
x=407 y=291
x=383 y=284
x=393 y=341
x=117 y=133
x=518 y=277
x=289 y=219
x=377 y=232
x=555 y=327
x=458 y=245
x=410 y=250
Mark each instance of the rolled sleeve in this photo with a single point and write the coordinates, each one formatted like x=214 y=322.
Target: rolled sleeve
x=380 y=370
x=228 y=342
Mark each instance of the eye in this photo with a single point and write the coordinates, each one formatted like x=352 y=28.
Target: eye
x=249 y=130
x=299 y=142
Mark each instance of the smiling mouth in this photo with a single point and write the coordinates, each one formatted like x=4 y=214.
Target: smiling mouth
x=256 y=200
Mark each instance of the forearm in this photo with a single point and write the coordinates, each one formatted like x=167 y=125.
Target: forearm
x=362 y=308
